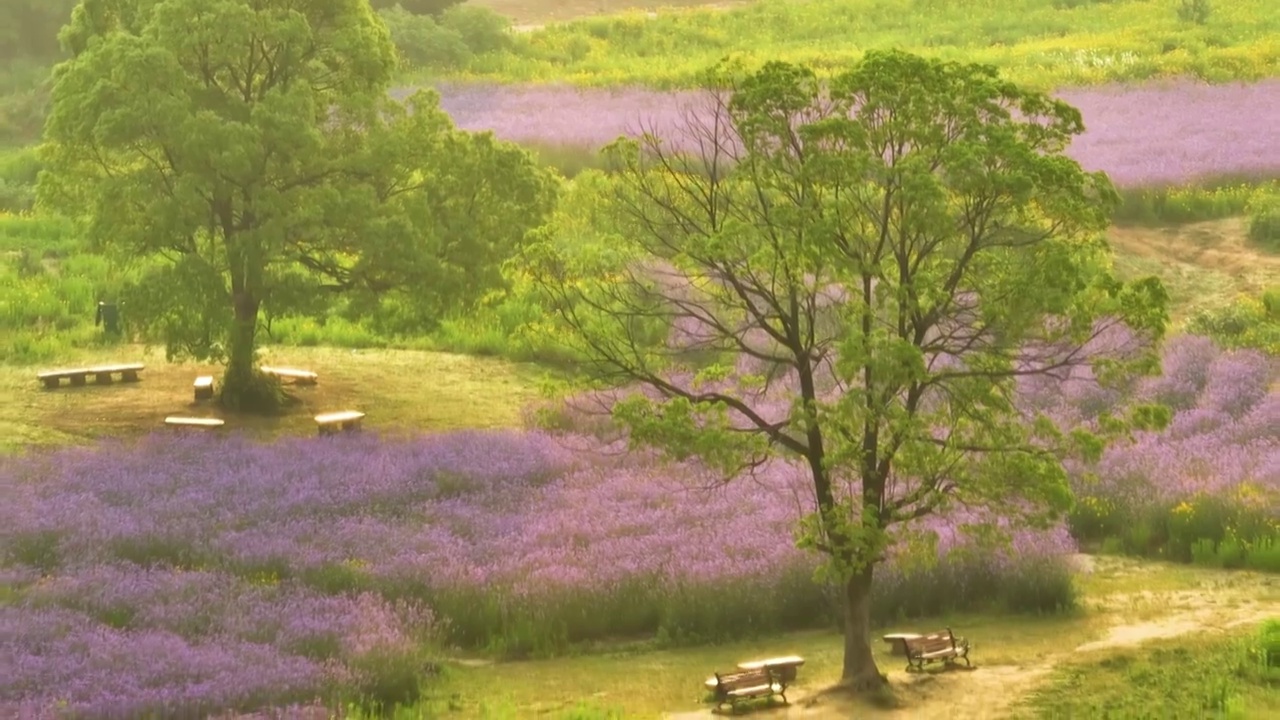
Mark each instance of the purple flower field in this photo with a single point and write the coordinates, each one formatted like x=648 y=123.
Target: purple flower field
x=156 y=574
x=216 y=574
x=1140 y=135
x=1213 y=474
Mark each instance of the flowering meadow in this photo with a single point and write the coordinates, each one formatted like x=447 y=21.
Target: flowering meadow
x=1206 y=488
x=1048 y=42
x=1155 y=134
x=203 y=573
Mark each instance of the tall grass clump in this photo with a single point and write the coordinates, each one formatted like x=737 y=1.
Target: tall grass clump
x=1178 y=204
x=47 y=306
x=44 y=236
x=1264 y=220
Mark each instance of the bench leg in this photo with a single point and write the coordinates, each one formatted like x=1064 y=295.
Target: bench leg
x=52 y=382
x=129 y=376
x=78 y=380
x=102 y=379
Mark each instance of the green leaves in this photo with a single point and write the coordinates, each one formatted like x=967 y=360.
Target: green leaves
x=256 y=142
x=868 y=267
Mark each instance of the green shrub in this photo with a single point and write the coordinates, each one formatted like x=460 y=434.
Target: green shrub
x=1195 y=11
x=423 y=43
x=1267 y=647
x=1176 y=204
x=482 y=30
x=18 y=170
x=449 y=41
x=1245 y=323
x=20 y=165
x=15 y=197
x=1264 y=555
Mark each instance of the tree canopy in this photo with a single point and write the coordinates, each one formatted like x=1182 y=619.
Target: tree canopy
x=249 y=151
x=853 y=275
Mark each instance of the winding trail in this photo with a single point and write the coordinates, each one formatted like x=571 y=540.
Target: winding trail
x=997 y=691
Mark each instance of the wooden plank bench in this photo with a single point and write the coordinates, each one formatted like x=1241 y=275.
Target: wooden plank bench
x=783 y=668
x=177 y=421
x=733 y=688
x=299 y=377
x=101 y=374
x=204 y=387
x=348 y=420
x=942 y=646
x=898 y=643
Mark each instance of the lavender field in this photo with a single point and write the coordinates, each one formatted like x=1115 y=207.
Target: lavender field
x=220 y=574
x=1140 y=135
x=142 y=577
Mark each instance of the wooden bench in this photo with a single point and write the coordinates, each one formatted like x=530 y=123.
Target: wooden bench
x=783 y=668
x=898 y=643
x=176 y=421
x=204 y=387
x=348 y=420
x=101 y=374
x=941 y=646
x=733 y=688
x=299 y=377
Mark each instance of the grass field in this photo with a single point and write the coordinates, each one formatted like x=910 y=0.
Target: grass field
x=535 y=13
x=401 y=390
x=1026 y=666
x=1202 y=264
x=1146 y=639
x=1049 y=43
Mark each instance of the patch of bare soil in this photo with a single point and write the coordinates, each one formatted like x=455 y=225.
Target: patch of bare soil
x=1186 y=612
x=1218 y=245
x=983 y=692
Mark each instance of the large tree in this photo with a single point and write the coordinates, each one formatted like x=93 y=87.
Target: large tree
x=856 y=272
x=248 y=150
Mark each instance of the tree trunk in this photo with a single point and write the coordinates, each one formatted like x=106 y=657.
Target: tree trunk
x=243 y=388
x=860 y=672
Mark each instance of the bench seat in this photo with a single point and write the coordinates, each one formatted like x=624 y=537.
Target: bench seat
x=348 y=420
x=940 y=646
x=752 y=691
x=758 y=681
x=301 y=377
x=101 y=374
x=194 y=422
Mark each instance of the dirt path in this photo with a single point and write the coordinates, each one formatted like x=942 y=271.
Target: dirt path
x=993 y=691
x=1217 y=246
